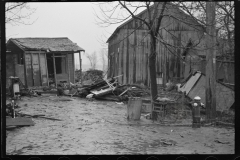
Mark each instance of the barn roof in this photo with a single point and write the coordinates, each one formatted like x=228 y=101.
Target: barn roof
x=131 y=19
x=50 y=44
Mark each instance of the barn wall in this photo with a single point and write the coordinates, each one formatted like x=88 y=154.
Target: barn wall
x=132 y=59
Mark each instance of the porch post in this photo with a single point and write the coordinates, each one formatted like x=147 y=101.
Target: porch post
x=32 y=68
x=73 y=68
x=46 y=68
x=68 y=69
x=25 y=70
x=40 y=72
x=54 y=67
x=80 y=63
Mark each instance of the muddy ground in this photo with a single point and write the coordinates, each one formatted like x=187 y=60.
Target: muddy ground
x=101 y=127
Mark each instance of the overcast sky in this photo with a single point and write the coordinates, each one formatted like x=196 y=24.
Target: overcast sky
x=73 y=20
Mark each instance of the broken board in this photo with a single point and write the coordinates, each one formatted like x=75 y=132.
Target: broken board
x=19 y=121
x=195 y=86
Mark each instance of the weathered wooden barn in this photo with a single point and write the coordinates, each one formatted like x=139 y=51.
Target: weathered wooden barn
x=41 y=61
x=129 y=48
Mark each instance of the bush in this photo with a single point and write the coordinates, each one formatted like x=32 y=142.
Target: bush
x=92 y=74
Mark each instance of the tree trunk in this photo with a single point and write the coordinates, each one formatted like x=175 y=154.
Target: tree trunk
x=225 y=69
x=211 y=63
x=152 y=68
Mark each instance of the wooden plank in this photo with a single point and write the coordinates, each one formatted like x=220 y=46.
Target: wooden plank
x=19 y=121
x=32 y=68
x=54 y=68
x=36 y=69
x=43 y=69
x=28 y=70
x=40 y=72
x=45 y=55
x=130 y=55
x=134 y=57
x=127 y=57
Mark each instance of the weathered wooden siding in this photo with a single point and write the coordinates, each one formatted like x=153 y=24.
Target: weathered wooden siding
x=29 y=73
x=36 y=69
x=71 y=67
x=43 y=69
x=132 y=59
x=19 y=72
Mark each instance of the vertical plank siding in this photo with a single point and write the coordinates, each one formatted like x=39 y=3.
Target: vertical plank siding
x=132 y=59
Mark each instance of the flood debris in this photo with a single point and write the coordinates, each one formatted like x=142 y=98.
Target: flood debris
x=19 y=121
x=110 y=89
x=221 y=141
x=194 y=86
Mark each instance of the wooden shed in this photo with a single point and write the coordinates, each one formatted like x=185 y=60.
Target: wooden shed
x=129 y=47
x=41 y=61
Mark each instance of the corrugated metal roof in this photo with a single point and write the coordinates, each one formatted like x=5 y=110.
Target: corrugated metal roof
x=51 y=44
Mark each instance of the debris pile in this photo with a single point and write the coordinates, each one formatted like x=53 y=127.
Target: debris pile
x=110 y=89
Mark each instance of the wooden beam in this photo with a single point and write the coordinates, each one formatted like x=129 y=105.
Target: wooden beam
x=32 y=68
x=73 y=68
x=68 y=70
x=25 y=69
x=40 y=72
x=54 y=67
x=35 y=51
x=59 y=56
x=46 y=68
x=80 y=63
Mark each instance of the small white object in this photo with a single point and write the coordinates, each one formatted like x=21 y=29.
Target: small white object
x=89 y=96
x=197 y=98
x=195 y=104
x=119 y=102
x=171 y=130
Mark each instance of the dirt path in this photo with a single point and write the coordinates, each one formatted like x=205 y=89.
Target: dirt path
x=101 y=127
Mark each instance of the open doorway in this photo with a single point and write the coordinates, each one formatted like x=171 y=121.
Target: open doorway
x=61 y=68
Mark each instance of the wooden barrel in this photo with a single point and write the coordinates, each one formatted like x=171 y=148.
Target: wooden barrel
x=134 y=108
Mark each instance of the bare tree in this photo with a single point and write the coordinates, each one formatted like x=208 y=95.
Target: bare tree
x=18 y=13
x=104 y=57
x=225 y=18
x=119 y=12
x=225 y=27
x=92 y=59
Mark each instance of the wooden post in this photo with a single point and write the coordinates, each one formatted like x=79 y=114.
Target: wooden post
x=211 y=63
x=73 y=67
x=25 y=70
x=80 y=63
x=32 y=68
x=68 y=69
x=46 y=68
x=40 y=72
x=54 y=67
